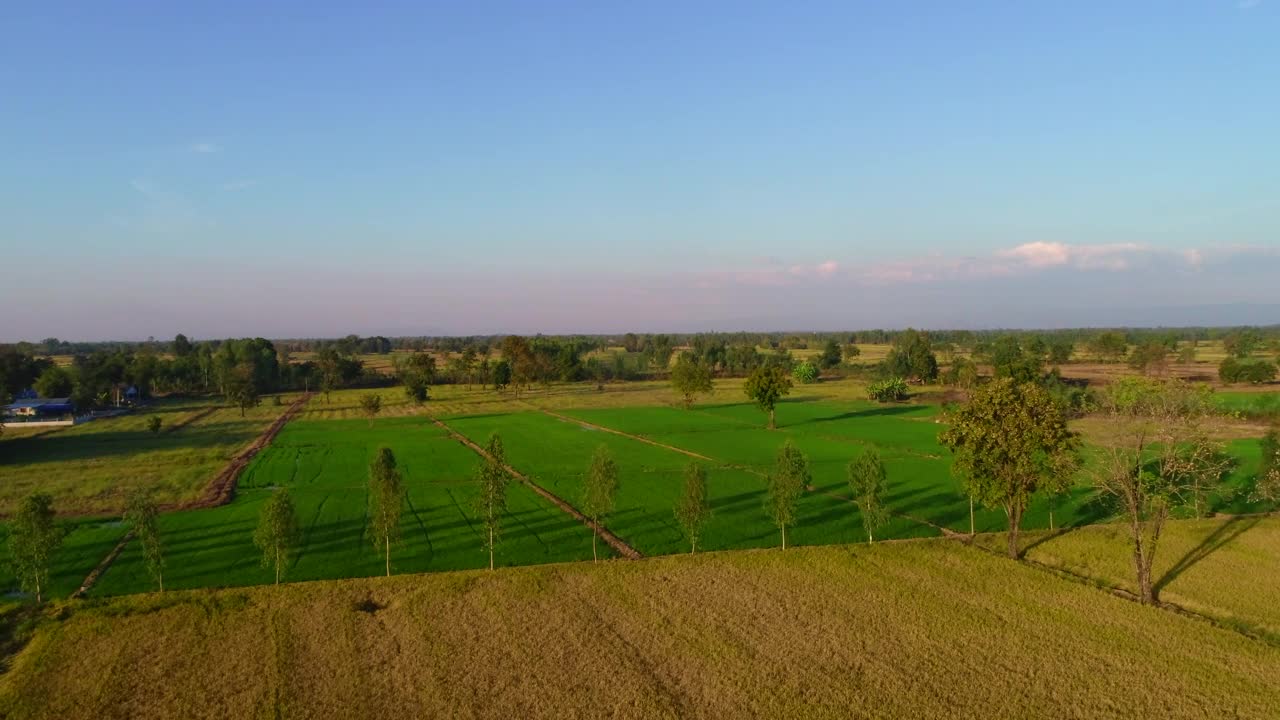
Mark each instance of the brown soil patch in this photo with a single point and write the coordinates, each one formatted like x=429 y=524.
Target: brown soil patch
x=223 y=487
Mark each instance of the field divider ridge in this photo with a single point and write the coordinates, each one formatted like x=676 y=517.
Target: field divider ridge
x=618 y=544
x=944 y=531
x=96 y=572
x=640 y=438
x=220 y=490
x=223 y=486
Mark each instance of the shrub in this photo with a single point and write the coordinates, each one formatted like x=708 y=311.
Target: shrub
x=805 y=373
x=889 y=390
x=1240 y=371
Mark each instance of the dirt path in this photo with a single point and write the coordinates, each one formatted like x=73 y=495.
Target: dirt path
x=602 y=428
x=92 y=578
x=220 y=490
x=223 y=487
x=613 y=541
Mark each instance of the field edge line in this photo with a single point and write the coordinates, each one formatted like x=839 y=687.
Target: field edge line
x=610 y=539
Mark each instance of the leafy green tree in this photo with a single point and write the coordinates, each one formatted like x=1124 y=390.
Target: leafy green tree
x=1151 y=358
x=786 y=484
x=240 y=388
x=1241 y=343
x=522 y=361
x=599 y=490
x=868 y=482
x=962 y=373
x=690 y=377
x=277 y=531
x=1060 y=350
x=501 y=375
x=54 y=382
x=143 y=516
x=766 y=386
x=805 y=373
x=1109 y=346
x=851 y=352
x=181 y=346
x=33 y=541
x=154 y=423
x=416 y=372
x=1010 y=359
x=831 y=355
x=693 y=508
x=491 y=501
x=1010 y=441
x=912 y=357
x=337 y=367
x=1159 y=459
x=1232 y=370
x=370 y=406
x=386 y=495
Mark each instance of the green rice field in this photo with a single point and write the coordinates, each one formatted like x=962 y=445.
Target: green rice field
x=324 y=464
x=1250 y=404
x=323 y=457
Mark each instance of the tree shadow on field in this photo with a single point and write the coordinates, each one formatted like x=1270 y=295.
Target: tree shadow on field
x=1090 y=512
x=889 y=411
x=1214 y=541
x=96 y=446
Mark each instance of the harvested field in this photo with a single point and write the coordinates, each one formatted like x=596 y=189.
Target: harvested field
x=1225 y=568
x=923 y=629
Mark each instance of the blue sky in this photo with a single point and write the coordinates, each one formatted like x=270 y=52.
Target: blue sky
x=316 y=169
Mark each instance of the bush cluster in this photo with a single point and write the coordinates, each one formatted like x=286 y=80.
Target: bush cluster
x=888 y=390
x=1251 y=371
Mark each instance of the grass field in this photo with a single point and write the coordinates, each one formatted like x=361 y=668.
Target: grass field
x=325 y=466
x=84 y=545
x=90 y=468
x=921 y=629
x=1264 y=405
x=323 y=459
x=1228 y=569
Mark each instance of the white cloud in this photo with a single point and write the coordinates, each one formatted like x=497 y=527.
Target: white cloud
x=205 y=148
x=768 y=272
x=1116 y=256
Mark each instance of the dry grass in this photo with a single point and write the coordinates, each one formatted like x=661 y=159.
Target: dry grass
x=90 y=468
x=924 y=629
x=447 y=400
x=1226 y=568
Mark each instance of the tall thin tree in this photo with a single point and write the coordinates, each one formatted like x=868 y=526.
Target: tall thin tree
x=33 y=541
x=370 y=406
x=277 y=531
x=693 y=509
x=144 y=518
x=599 y=491
x=868 y=481
x=386 y=495
x=491 y=500
x=786 y=484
